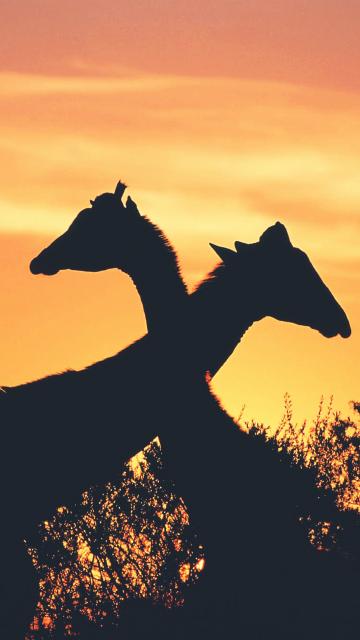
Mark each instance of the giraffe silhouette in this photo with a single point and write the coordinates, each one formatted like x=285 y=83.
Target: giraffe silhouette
x=270 y=278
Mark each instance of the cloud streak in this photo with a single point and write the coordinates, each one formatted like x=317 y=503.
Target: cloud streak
x=24 y=84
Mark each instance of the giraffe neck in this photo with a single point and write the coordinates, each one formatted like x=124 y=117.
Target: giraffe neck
x=221 y=317
x=157 y=278
x=208 y=324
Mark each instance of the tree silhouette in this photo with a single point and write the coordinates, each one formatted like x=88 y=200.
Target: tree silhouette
x=132 y=543
x=124 y=542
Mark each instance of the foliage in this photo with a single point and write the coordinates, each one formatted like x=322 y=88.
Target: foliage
x=123 y=542
x=132 y=541
x=329 y=447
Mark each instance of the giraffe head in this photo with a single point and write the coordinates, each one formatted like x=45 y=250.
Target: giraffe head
x=282 y=283
x=101 y=237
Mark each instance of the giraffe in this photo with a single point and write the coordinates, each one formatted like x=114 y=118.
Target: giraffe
x=270 y=277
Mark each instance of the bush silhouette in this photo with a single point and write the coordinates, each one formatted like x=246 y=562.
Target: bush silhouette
x=132 y=542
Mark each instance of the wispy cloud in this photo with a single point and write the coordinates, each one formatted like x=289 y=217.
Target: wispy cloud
x=22 y=84
x=211 y=158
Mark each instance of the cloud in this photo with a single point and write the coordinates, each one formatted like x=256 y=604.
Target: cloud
x=22 y=84
x=30 y=218
x=212 y=158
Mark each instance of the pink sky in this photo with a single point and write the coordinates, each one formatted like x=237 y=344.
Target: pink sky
x=311 y=42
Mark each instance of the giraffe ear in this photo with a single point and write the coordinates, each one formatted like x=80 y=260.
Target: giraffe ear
x=132 y=207
x=119 y=189
x=228 y=256
x=276 y=237
x=241 y=247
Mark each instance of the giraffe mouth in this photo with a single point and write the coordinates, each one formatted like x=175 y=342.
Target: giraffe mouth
x=341 y=328
x=37 y=268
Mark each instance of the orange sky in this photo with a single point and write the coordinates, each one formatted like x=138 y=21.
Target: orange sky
x=221 y=122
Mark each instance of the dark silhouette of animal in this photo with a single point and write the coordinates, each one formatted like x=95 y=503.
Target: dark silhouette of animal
x=209 y=458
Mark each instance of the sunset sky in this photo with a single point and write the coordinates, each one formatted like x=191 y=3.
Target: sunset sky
x=222 y=117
